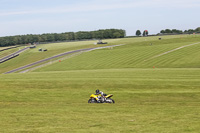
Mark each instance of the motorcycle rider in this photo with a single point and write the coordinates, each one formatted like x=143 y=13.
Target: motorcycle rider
x=100 y=98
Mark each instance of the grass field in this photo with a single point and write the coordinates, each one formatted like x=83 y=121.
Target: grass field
x=34 y=55
x=9 y=51
x=147 y=100
x=137 y=55
x=164 y=99
x=1 y=48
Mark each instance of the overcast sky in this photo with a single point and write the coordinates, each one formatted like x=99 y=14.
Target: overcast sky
x=19 y=17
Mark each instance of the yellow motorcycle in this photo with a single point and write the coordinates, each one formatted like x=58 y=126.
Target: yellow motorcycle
x=97 y=98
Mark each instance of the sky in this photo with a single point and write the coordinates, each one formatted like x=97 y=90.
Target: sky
x=20 y=17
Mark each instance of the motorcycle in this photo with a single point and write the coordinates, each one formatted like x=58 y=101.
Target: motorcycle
x=103 y=99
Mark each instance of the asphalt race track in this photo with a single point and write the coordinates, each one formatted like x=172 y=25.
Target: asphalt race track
x=63 y=54
x=12 y=55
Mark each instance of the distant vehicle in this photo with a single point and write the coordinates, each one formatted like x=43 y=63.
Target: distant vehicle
x=33 y=46
x=40 y=49
x=100 y=42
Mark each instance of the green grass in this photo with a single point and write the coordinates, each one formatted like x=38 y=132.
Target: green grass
x=136 y=55
x=147 y=100
x=9 y=51
x=52 y=99
x=34 y=55
x=1 y=48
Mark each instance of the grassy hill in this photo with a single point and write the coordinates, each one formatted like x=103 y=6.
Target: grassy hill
x=33 y=55
x=8 y=52
x=137 y=55
x=154 y=100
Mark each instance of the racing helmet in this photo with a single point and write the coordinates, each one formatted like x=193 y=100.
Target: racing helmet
x=97 y=91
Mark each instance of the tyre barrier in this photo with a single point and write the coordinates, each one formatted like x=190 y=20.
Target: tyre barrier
x=9 y=58
x=12 y=55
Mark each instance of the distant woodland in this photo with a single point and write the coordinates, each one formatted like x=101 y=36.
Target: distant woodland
x=175 y=31
x=170 y=32
x=67 y=36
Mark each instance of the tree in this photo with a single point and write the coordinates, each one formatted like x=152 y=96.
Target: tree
x=190 y=31
x=50 y=37
x=197 y=29
x=168 y=31
x=138 y=33
x=116 y=35
x=174 y=31
x=162 y=31
x=145 y=33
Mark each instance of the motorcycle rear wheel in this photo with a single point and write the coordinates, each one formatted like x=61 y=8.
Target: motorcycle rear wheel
x=92 y=101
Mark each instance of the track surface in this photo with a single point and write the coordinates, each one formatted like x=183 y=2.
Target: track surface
x=47 y=59
x=12 y=55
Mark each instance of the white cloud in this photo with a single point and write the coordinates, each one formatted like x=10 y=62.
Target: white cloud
x=104 y=5
x=177 y=3
x=68 y=9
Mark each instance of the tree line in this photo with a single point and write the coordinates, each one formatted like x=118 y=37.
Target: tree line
x=67 y=36
x=175 y=31
x=169 y=31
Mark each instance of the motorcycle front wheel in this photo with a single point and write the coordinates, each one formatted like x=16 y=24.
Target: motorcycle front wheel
x=112 y=101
